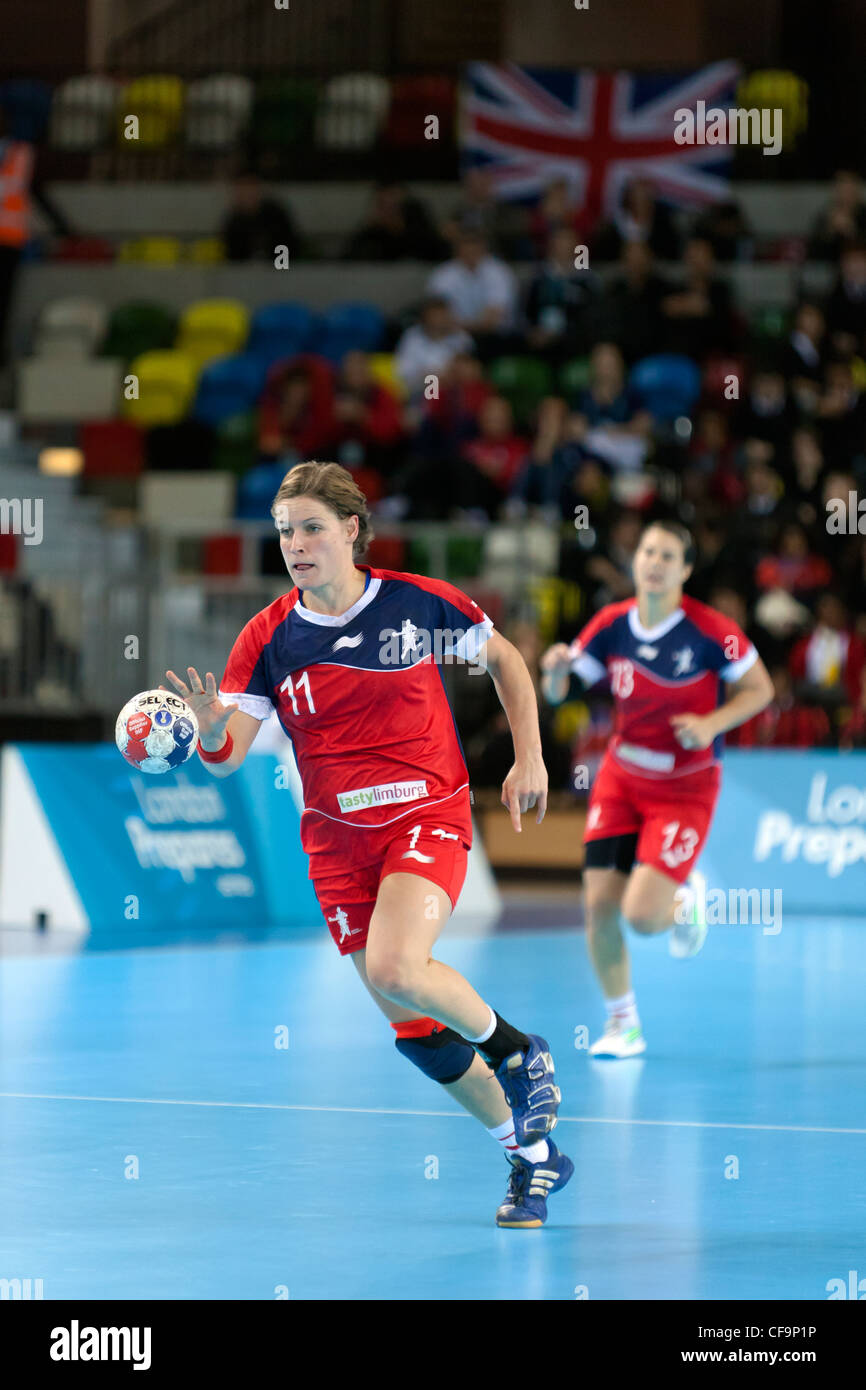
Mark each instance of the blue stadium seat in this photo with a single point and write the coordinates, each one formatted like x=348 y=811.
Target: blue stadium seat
x=258 y=488
x=26 y=104
x=229 y=386
x=667 y=384
x=348 y=327
x=281 y=330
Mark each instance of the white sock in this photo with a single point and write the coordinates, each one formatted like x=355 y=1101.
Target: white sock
x=505 y=1137
x=624 y=1010
x=488 y=1032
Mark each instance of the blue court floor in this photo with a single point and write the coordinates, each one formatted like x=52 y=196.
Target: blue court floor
x=155 y=1143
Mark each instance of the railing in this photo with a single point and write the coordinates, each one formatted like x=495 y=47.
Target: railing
x=78 y=638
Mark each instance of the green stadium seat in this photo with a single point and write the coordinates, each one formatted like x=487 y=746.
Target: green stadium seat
x=573 y=377
x=236 y=447
x=139 y=326
x=523 y=381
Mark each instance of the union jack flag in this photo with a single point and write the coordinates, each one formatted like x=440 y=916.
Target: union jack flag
x=599 y=131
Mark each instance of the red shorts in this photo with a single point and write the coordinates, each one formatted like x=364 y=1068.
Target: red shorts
x=427 y=846
x=671 y=817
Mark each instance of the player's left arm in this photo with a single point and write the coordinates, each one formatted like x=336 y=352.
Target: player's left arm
x=747 y=696
x=526 y=784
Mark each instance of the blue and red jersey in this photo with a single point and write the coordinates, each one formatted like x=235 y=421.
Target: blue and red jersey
x=676 y=667
x=362 y=697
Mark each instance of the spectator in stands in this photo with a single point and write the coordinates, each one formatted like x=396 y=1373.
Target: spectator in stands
x=639 y=217
x=490 y=462
x=541 y=478
x=482 y=292
x=697 y=315
x=852 y=734
x=397 y=227
x=843 y=220
x=611 y=571
x=712 y=456
x=794 y=567
x=846 y=307
x=829 y=662
x=441 y=425
x=367 y=415
x=803 y=475
x=255 y=224
x=841 y=415
x=555 y=212
x=629 y=313
x=557 y=299
x=758 y=516
x=765 y=412
x=725 y=227
x=479 y=211
x=608 y=420
x=296 y=412
x=806 y=353
x=430 y=345
x=20 y=187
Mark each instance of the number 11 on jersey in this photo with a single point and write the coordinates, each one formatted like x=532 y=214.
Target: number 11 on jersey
x=303 y=684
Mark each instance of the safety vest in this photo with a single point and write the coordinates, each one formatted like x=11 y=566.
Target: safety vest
x=16 y=169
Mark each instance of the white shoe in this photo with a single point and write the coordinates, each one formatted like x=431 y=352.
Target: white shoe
x=616 y=1041
x=687 y=938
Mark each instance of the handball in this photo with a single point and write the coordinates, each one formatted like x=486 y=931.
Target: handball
x=156 y=731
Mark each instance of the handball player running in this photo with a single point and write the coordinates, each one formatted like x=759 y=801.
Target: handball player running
x=652 y=801
x=350 y=659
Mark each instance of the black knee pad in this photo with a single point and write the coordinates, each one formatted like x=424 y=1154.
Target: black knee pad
x=440 y=1053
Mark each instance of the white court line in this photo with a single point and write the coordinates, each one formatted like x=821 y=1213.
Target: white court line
x=444 y=1114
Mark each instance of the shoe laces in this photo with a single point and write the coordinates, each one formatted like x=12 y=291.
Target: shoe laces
x=517 y=1184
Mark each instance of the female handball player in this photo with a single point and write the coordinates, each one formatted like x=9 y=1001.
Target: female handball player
x=651 y=805
x=350 y=659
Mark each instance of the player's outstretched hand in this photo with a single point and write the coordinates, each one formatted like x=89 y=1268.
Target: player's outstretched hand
x=556 y=658
x=204 y=701
x=525 y=785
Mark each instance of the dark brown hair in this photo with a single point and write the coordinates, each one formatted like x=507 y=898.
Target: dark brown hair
x=337 y=489
x=682 y=533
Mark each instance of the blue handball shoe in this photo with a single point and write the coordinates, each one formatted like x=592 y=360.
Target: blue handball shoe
x=527 y=1080
x=530 y=1185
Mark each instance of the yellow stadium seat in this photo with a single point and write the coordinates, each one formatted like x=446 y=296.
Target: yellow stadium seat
x=152 y=250
x=213 y=328
x=206 y=250
x=166 y=386
x=382 y=370
x=782 y=91
x=158 y=103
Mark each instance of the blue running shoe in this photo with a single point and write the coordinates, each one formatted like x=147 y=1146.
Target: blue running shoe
x=527 y=1080
x=530 y=1185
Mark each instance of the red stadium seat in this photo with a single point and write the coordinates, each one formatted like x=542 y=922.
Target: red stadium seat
x=370 y=482
x=112 y=449
x=717 y=370
x=412 y=100
x=222 y=555
x=8 y=552
x=387 y=553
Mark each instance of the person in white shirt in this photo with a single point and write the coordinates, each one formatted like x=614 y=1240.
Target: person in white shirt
x=481 y=289
x=429 y=346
